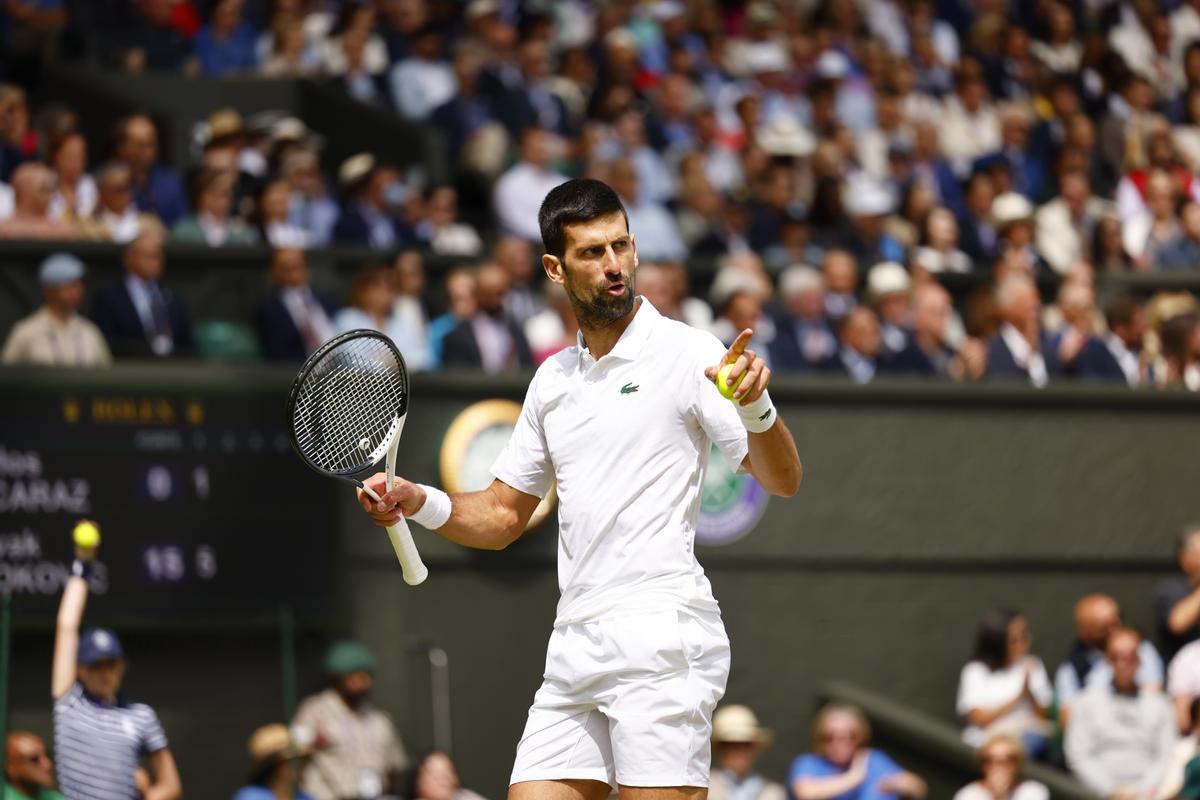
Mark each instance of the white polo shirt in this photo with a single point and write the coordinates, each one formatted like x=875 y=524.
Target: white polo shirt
x=628 y=439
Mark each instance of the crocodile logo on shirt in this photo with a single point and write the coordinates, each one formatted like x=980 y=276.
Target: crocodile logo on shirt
x=629 y=388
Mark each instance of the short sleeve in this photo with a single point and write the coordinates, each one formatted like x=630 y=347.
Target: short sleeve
x=1181 y=677
x=882 y=765
x=716 y=415
x=970 y=683
x=151 y=734
x=807 y=766
x=525 y=463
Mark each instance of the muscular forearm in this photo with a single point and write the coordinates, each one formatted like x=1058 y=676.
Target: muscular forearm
x=481 y=520
x=74 y=599
x=66 y=635
x=774 y=461
x=1184 y=614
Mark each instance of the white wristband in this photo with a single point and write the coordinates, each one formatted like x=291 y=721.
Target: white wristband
x=759 y=415
x=434 y=512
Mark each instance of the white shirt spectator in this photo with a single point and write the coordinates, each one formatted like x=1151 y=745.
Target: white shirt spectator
x=1183 y=675
x=1149 y=674
x=980 y=687
x=6 y=201
x=966 y=136
x=374 y=60
x=1026 y=790
x=1061 y=239
x=1116 y=741
x=85 y=200
x=518 y=196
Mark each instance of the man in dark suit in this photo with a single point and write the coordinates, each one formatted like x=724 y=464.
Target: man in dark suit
x=488 y=340
x=925 y=354
x=804 y=338
x=1116 y=357
x=294 y=320
x=461 y=117
x=860 y=345
x=139 y=317
x=374 y=194
x=1020 y=350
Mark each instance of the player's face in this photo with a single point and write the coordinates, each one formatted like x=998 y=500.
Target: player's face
x=597 y=269
x=102 y=679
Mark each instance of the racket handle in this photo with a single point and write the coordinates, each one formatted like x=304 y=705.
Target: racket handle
x=411 y=565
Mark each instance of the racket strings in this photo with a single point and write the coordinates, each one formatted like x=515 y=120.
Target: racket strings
x=350 y=398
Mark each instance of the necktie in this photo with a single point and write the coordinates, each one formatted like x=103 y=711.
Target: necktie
x=160 y=337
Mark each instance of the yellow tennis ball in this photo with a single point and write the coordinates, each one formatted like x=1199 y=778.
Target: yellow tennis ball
x=87 y=534
x=723 y=380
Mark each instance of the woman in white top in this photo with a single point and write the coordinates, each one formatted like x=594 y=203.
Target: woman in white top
x=75 y=192
x=371 y=298
x=1005 y=689
x=1000 y=760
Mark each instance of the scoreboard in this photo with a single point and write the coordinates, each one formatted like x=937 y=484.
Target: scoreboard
x=204 y=510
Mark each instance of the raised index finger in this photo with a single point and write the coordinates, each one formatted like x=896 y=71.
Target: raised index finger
x=739 y=344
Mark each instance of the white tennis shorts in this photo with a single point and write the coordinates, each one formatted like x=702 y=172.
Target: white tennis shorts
x=627 y=699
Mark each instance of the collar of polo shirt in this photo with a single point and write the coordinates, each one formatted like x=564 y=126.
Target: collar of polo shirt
x=632 y=338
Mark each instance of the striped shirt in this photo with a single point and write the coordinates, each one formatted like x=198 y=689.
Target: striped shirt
x=97 y=747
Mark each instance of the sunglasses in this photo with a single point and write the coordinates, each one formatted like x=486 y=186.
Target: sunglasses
x=1001 y=758
x=839 y=736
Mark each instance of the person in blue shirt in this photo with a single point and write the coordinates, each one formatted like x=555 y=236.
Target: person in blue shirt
x=227 y=44
x=277 y=757
x=843 y=766
x=157 y=188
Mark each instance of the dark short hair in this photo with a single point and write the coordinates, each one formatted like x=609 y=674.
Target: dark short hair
x=991 y=640
x=577 y=200
x=1122 y=309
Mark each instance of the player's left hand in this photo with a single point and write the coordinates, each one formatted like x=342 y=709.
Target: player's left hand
x=747 y=362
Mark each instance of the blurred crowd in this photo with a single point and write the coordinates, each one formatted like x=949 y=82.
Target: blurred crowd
x=834 y=158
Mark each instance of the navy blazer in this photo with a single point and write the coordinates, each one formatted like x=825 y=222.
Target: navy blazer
x=1096 y=362
x=352 y=228
x=117 y=317
x=912 y=360
x=278 y=335
x=460 y=349
x=1002 y=366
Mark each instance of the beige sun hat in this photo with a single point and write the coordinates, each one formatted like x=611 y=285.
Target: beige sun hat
x=738 y=725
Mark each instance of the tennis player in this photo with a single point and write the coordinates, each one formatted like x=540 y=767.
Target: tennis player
x=624 y=422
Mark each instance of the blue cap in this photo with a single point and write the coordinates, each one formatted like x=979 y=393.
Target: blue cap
x=60 y=268
x=98 y=644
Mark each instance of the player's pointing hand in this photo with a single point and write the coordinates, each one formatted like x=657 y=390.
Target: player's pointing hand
x=745 y=362
x=405 y=499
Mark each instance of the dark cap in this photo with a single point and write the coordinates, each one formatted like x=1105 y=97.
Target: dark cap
x=98 y=644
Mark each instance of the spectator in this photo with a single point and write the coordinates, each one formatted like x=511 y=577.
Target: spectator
x=289 y=53
x=1000 y=758
x=841 y=284
x=1097 y=616
x=737 y=741
x=226 y=45
x=358 y=753
x=441 y=229
x=1179 y=345
x=737 y=296
x=116 y=217
x=353 y=38
x=1182 y=251
x=869 y=204
x=940 y=252
x=1012 y=219
x=804 y=339
x=517 y=257
x=423 y=81
x=1019 y=350
x=1108 y=252
x=1123 y=346
x=1120 y=739
x=860 y=345
x=434 y=777
x=977 y=236
x=157 y=189
x=970 y=126
x=1177 y=600
x=275 y=227
x=844 y=765
x=152 y=40
x=56 y=335
x=140 y=317
x=1152 y=230
x=99 y=737
x=75 y=191
x=33 y=191
x=519 y=192
x=28 y=770
x=1065 y=224
x=408 y=284
x=888 y=287
x=294 y=319
x=1005 y=689
x=1183 y=684
x=926 y=353
x=277 y=761
x=16 y=139
x=467 y=111
x=460 y=297
x=555 y=327
x=370 y=306
x=212 y=222
x=651 y=224
x=309 y=207
x=374 y=194
x=488 y=340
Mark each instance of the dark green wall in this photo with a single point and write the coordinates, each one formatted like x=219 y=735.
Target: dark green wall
x=922 y=507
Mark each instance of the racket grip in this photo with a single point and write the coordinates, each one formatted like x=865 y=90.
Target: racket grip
x=411 y=565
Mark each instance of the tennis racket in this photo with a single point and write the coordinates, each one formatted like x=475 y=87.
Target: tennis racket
x=346 y=410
